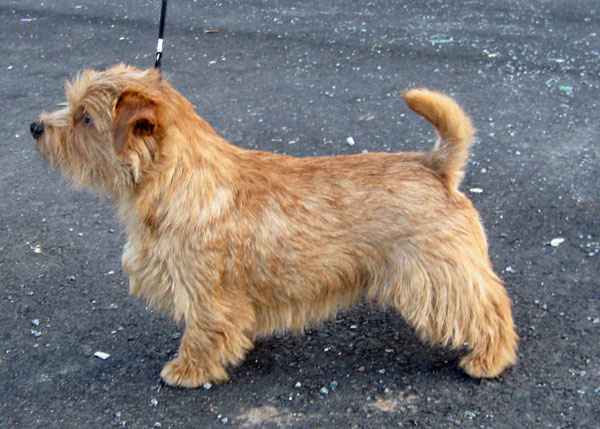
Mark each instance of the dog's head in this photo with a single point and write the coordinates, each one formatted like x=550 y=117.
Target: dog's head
x=109 y=130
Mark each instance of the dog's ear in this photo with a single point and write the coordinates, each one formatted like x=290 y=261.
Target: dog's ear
x=135 y=118
x=135 y=130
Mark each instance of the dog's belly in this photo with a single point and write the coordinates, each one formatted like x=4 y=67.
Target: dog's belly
x=295 y=316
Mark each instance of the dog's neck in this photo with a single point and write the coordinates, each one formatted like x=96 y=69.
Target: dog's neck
x=190 y=158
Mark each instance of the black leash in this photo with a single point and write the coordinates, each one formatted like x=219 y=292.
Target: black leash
x=161 y=31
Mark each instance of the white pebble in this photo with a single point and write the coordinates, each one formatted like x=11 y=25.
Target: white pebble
x=555 y=242
x=101 y=355
x=350 y=141
x=476 y=190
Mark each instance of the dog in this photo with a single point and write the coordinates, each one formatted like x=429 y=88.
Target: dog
x=238 y=244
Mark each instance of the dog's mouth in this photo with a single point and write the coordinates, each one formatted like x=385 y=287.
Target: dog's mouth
x=42 y=146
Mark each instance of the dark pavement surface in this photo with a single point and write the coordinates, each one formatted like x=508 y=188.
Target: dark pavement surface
x=300 y=78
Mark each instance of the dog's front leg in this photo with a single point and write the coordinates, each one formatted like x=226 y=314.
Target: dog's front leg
x=215 y=337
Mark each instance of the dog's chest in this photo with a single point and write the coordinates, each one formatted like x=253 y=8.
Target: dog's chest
x=149 y=274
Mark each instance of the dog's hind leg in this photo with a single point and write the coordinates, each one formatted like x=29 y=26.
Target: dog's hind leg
x=490 y=336
x=457 y=306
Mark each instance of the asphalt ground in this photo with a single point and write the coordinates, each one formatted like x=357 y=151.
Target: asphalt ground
x=300 y=78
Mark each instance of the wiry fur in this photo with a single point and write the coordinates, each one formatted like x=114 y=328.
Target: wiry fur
x=238 y=244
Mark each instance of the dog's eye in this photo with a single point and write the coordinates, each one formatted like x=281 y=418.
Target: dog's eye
x=87 y=119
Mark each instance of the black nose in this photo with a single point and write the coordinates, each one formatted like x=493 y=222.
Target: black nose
x=37 y=129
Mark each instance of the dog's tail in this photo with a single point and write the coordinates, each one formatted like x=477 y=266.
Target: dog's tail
x=449 y=156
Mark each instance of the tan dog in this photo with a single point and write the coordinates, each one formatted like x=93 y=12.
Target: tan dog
x=239 y=244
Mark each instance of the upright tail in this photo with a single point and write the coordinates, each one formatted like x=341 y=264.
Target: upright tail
x=450 y=154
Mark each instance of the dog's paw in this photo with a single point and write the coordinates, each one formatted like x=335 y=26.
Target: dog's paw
x=473 y=367
x=181 y=373
x=479 y=367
